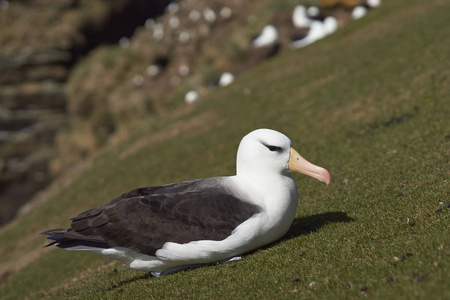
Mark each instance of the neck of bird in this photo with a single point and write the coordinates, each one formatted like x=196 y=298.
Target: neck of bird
x=276 y=192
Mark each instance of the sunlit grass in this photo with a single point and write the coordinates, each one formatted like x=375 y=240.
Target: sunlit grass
x=370 y=104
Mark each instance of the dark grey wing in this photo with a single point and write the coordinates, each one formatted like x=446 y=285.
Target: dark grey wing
x=144 y=219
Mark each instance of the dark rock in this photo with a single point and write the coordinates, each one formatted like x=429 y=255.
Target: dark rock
x=364 y=288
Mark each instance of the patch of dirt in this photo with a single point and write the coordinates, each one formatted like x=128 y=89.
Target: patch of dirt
x=182 y=129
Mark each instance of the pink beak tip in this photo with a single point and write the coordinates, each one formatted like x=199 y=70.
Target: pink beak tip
x=326 y=177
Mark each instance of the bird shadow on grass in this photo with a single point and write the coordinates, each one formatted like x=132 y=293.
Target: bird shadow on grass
x=300 y=226
x=310 y=224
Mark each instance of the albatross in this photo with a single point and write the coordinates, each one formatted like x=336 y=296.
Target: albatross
x=167 y=228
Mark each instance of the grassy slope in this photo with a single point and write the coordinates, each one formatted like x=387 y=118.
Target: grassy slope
x=369 y=103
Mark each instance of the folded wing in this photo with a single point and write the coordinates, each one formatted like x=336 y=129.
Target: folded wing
x=145 y=219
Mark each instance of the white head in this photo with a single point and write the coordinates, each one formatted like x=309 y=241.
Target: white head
x=263 y=150
x=266 y=151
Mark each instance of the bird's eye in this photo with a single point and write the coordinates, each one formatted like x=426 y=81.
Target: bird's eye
x=273 y=148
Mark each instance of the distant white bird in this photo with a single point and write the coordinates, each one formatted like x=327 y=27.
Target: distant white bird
x=268 y=36
x=174 y=22
x=209 y=15
x=153 y=70
x=225 y=12
x=191 y=97
x=330 y=24
x=137 y=80
x=124 y=42
x=158 y=31
x=184 y=37
x=300 y=18
x=313 y=11
x=149 y=23
x=226 y=79
x=358 y=12
x=183 y=70
x=317 y=31
x=194 y=15
x=173 y=8
x=373 y=3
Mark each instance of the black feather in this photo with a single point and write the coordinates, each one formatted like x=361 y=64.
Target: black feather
x=145 y=219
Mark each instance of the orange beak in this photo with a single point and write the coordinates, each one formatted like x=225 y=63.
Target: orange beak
x=298 y=164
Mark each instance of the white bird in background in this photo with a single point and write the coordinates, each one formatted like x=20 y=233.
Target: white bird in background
x=209 y=15
x=184 y=37
x=124 y=42
x=137 y=80
x=226 y=79
x=191 y=97
x=268 y=36
x=225 y=12
x=153 y=70
x=300 y=18
x=317 y=31
x=313 y=11
x=358 y=12
x=158 y=31
x=173 y=8
x=330 y=24
x=373 y=3
x=174 y=22
x=194 y=15
x=149 y=23
x=183 y=70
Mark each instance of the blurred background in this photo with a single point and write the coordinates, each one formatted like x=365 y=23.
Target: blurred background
x=79 y=75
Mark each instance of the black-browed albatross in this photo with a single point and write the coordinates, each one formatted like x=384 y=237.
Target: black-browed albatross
x=166 y=228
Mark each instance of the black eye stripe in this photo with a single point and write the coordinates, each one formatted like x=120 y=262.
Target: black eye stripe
x=273 y=148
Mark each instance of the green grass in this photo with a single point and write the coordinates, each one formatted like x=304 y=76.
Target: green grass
x=370 y=104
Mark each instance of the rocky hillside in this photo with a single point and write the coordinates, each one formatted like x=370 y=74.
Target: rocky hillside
x=76 y=75
x=40 y=42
